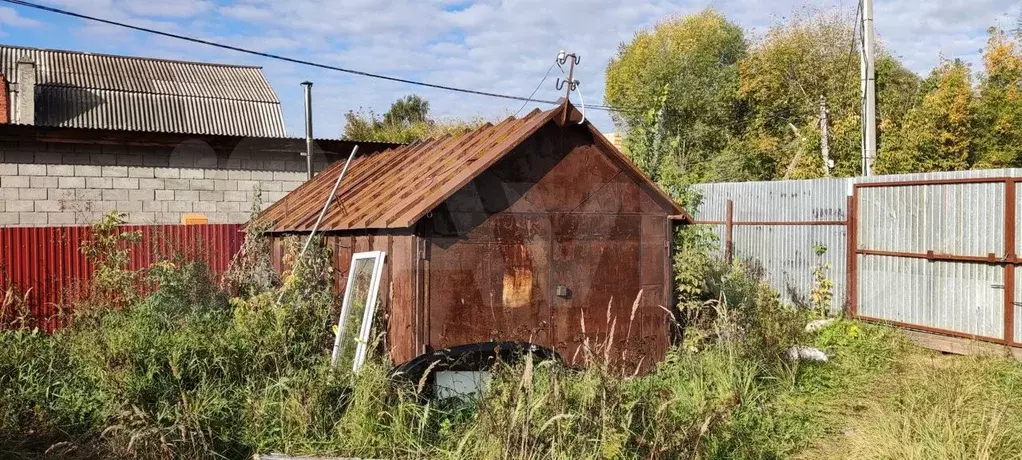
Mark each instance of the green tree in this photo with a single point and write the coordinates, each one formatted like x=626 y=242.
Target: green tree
x=738 y=112
x=935 y=134
x=782 y=80
x=407 y=110
x=407 y=121
x=997 y=132
x=809 y=56
x=654 y=152
x=696 y=58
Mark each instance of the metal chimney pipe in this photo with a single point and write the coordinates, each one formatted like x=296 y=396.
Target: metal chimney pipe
x=308 y=128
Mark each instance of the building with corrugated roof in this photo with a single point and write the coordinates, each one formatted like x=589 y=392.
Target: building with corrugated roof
x=82 y=90
x=517 y=231
x=163 y=142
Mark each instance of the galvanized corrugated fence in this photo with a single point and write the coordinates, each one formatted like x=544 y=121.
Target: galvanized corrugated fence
x=935 y=252
x=778 y=224
x=47 y=265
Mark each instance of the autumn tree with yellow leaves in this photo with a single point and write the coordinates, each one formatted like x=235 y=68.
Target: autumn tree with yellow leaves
x=732 y=109
x=936 y=133
x=997 y=124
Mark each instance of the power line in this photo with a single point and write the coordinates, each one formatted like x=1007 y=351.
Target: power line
x=277 y=56
x=851 y=46
x=537 y=87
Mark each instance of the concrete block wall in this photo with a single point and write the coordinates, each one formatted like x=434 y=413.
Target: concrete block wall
x=60 y=183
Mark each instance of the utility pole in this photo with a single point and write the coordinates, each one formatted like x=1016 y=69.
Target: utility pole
x=824 y=135
x=869 y=120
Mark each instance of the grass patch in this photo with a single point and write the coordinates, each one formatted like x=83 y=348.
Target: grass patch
x=187 y=371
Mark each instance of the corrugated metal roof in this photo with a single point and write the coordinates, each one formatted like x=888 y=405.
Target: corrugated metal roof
x=396 y=187
x=119 y=92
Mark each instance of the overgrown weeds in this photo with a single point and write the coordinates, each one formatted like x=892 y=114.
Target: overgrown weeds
x=188 y=371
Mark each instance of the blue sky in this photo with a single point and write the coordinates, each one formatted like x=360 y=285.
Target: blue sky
x=497 y=46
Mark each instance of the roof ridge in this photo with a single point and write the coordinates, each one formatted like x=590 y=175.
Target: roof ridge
x=122 y=56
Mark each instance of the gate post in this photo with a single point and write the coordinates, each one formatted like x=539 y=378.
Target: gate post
x=729 y=226
x=851 y=224
x=1009 y=261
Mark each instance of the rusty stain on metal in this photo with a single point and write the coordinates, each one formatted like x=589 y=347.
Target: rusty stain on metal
x=517 y=282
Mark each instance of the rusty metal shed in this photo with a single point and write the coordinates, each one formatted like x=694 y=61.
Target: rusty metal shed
x=516 y=231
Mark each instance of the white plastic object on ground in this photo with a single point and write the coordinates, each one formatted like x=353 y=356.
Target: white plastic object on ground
x=816 y=325
x=798 y=353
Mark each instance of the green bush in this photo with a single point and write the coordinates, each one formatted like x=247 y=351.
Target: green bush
x=174 y=373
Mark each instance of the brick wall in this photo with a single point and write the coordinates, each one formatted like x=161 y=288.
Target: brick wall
x=74 y=183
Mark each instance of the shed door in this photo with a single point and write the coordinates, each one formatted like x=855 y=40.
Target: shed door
x=603 y=261
x=491 y=284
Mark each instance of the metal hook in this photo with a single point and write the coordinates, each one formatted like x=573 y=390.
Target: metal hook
x=572 y=83
x=562 y=57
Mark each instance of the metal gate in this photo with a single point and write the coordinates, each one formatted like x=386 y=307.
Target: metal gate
x=937 y=255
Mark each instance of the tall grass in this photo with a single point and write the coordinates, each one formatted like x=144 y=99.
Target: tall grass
x=191 y=372
x=965 y=408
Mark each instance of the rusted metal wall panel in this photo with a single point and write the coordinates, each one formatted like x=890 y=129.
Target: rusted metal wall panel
x=954 y=296
x=598 y=258
x=550 y=214
x=396 y=294
x=400 y=291
x=654 y=250
x=48 y=265
x=493 y=285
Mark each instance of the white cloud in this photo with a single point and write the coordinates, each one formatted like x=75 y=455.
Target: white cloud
x=10 y=17
x=169 y=9
x=501 y=46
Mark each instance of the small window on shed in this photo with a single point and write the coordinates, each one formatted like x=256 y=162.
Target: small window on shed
x=351 y=343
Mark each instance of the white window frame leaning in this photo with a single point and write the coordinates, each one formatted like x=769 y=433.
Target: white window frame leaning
x=367 y=317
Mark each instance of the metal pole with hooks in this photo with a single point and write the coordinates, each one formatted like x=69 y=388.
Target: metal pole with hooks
x=572 y=83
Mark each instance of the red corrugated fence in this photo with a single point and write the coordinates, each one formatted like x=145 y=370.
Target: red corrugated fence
x=47 y=264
